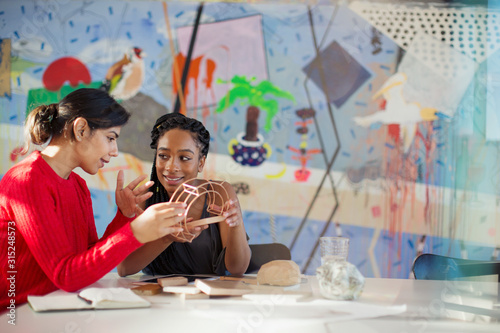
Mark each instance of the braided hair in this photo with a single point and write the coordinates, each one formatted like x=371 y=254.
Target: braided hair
x=165 y=123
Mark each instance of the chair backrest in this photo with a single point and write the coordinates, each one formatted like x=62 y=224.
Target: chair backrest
x=264 y=253
x=435 y=267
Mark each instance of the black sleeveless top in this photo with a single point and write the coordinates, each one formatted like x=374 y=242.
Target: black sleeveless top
x=204 y=255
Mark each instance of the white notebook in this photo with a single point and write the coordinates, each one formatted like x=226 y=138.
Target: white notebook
x=90 y=298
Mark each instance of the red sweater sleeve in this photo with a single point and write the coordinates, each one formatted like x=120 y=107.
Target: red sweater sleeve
x=119 y=221
x=56 y=221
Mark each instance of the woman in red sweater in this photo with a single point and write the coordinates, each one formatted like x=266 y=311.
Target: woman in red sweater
x=48 y=238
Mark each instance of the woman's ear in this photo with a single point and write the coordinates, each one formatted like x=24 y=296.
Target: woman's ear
x=201 y=163
x=80 y=128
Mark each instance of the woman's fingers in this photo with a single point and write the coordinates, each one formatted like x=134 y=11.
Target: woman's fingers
x=119 y=180
x=158 y=220
x=169 y=214
x=216 y=208
x=172 y=220
x=166 y=207
x=170 y=230
x=143 y=188
x=133 y=184
x=231 y=212
x=196 y=229
x=138 y=210
x=143 y=197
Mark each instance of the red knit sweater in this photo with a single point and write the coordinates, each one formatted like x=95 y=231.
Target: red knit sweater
x=55 y=243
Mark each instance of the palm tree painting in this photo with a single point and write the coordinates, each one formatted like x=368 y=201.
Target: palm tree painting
x=249 y=147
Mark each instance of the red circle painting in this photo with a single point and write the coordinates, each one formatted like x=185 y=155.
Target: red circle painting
x=65 y=69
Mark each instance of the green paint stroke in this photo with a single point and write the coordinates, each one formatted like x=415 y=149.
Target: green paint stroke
x=19 y=65
x=253 y=95
x=37 y=97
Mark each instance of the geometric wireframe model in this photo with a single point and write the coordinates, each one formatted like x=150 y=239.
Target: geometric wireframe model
x=190 y=192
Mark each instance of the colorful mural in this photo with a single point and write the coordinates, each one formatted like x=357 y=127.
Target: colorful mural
x=378 y=122
x=249 y=148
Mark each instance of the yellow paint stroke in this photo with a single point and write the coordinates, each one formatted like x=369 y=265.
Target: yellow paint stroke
x=102 y=179
x=268 y=149
x=230 y=145
x=134 y=163
x=279 y=174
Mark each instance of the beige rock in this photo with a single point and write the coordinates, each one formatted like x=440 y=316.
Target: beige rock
x=279 y=273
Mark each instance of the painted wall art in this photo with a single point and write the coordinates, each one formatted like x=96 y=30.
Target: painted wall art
x=375 y=121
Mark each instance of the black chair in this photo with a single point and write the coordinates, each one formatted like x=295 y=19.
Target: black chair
x=264 y=253
x=435 y=267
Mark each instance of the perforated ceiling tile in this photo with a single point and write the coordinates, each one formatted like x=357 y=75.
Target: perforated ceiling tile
x=438 y=74
x=473 y=31
x=440 y=57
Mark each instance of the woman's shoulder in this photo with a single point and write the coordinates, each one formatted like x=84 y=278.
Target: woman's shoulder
x=23 y=177
x=219 y=182
x=24 y=168
x=35 y=171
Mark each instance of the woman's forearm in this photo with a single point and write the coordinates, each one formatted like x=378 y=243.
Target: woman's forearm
x=237 y=251
x=141 y=257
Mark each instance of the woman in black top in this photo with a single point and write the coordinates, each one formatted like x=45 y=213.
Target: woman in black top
x=181 y=145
